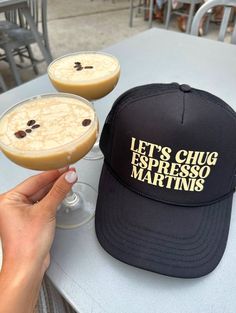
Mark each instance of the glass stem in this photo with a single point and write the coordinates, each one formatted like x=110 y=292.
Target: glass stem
x=72 y=199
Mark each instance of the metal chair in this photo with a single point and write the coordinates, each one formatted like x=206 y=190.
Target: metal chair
x=17 y=36
x=141 y=6
x=204 y=9
x=190 y=15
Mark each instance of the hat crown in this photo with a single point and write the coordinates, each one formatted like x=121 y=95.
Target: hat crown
x=172 y=146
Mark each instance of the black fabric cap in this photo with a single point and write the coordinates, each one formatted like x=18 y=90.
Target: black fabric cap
x=166 y=188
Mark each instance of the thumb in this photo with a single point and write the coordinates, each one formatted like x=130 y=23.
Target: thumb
x=59 y=190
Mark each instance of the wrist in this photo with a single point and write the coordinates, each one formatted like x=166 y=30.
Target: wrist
x=19 y=287
x=23 y=271
x=24 y=261
x=19 y=283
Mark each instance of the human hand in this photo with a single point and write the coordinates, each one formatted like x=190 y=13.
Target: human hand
x=27 y=219
x=27 y=226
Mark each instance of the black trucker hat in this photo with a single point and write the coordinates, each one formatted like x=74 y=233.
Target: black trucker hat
x=167 y=183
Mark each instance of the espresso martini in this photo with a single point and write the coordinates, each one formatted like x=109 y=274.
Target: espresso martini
x=48 y=131
x=91 y=75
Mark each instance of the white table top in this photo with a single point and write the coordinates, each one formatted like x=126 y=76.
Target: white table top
x=89 y=278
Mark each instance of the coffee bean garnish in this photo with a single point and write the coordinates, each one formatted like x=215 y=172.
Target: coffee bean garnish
x=79 y=66
x=31 y=122
x=86 y=122
x=35 y=126
x=20 y=134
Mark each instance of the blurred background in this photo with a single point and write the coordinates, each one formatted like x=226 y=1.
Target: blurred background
x=76 y=25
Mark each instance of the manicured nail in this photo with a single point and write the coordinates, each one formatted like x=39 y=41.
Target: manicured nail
x=63 y=169
x=71 y=177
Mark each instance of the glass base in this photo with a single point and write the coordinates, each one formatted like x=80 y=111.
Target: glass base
x=95 y=153
x=78 y=207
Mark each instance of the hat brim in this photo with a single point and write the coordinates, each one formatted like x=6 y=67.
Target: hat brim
x=186 y=242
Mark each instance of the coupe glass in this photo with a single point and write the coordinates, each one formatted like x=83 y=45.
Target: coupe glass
x=89 y=74
x=79 y=205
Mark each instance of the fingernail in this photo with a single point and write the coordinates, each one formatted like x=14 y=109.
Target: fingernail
x=63 y=169
x=71 y=177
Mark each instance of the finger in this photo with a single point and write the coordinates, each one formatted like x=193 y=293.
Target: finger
x=59 y=191
x=35 y=183
x=41 y=193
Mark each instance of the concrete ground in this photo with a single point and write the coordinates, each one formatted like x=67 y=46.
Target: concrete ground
x=76 y=25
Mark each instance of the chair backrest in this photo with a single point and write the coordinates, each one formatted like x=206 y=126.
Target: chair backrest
x=14 y=16
x=228 y=6
x=38 y=9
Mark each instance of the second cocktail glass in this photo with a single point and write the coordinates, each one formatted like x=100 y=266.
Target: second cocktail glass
x=91 y=75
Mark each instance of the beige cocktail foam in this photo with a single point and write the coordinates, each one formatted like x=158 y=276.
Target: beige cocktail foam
x=60 y=120
x=102 y=66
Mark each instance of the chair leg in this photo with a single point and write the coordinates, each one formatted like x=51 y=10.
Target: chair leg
x=45 y=29
x=207 y=23
x=169 y=7
x=139 y=6
x=25 y=11
x=151 y=7
x=233 y=37
x=224 y=23
x=31 y=56
x=13 y=66
x=131 y=15
x=2 y=84
x=190 y=17
x=20 y=55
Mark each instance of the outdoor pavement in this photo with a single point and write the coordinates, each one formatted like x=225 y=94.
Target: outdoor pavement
x=77 y=25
